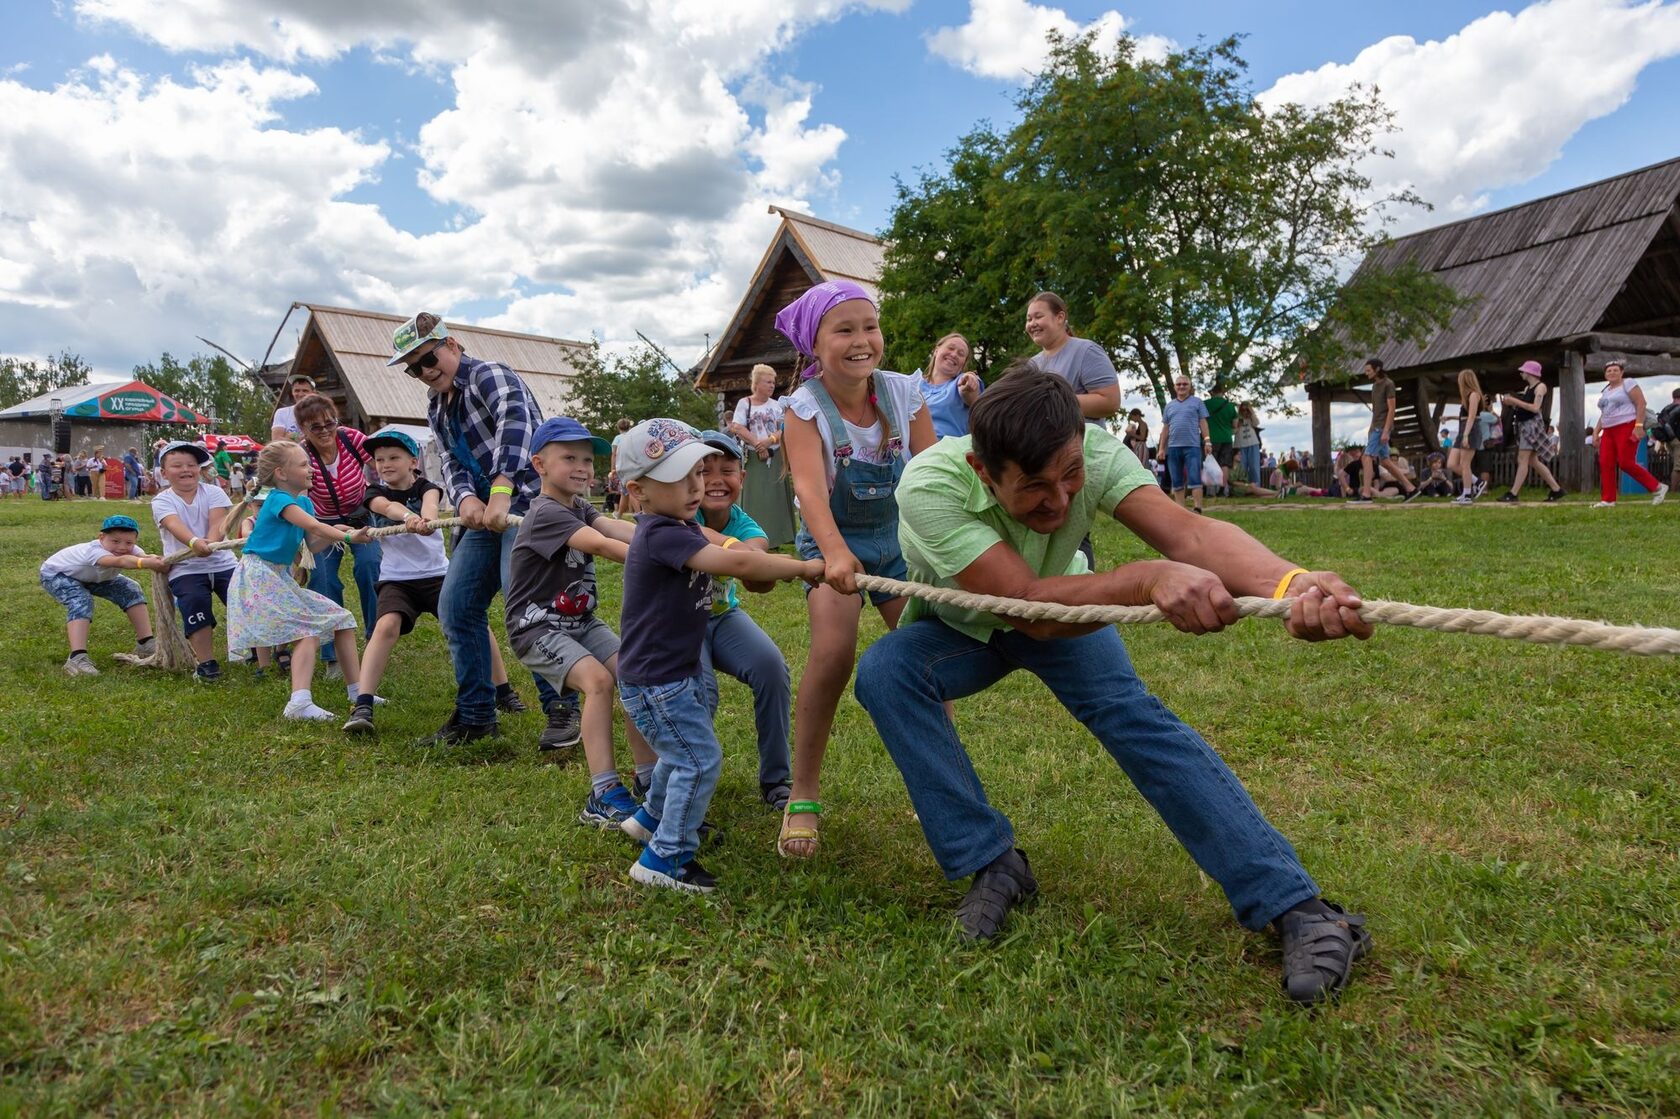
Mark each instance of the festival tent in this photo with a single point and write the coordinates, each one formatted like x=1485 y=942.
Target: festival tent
x=233 y=444
x=119 y=401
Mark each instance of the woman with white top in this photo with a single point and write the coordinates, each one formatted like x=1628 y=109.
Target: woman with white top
x=1621 y=425
x=767 y=493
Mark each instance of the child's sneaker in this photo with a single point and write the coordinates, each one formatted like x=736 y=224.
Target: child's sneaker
x=640 y=785
x=651 y=870
x=80 y=665
x=609 y=809
x=361 y=719
x=146 y=648
x=508 y=700
x=208 y=673
x=304 y=708
x=641 y=825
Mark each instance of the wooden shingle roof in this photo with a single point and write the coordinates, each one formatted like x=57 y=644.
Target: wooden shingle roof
x=1539 y=272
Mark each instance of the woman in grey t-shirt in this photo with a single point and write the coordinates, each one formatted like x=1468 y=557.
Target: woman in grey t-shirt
x=1078 y=361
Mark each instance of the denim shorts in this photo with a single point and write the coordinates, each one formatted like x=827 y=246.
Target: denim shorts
x=1184 y=467
x=77 y=596
x=1374 y=445
x=887 y=562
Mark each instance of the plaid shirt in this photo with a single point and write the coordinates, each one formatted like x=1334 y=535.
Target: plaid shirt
x=489 y=415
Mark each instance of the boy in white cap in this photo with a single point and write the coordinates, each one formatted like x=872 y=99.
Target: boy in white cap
x=75 y=574
x=192 y=514
x=668 y=592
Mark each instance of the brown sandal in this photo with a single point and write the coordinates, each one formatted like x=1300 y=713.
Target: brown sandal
x=791 y=834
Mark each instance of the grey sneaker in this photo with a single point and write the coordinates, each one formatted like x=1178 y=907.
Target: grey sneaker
x=146 y=648
x=565 y=727
x=80 y=665
x=1000 y=886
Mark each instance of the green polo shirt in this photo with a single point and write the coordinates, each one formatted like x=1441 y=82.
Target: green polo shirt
x=1221 y=415
x=947 y=519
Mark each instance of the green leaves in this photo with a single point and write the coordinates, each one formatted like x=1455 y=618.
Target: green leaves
x=635 y=385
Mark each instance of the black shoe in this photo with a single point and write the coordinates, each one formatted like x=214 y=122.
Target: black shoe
x=1417 y=491
x=776 y=794
x=1555 y=495
x=1001 y=885
x=456 y=733
x=1507 y=498
x=638 y=787
x=565 y=727
x=508 y=701
x=208 y=673
x=1360 y=500
x=1319 y=949
x=361 y=719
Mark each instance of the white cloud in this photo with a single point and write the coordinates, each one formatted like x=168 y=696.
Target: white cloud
x=1494 y=104
x=1006 y=38
x=608 y=163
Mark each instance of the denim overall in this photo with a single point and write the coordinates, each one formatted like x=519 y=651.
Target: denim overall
x=863 y=498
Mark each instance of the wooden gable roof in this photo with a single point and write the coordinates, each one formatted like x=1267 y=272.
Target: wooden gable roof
x=804 y=252
x=1601 y=257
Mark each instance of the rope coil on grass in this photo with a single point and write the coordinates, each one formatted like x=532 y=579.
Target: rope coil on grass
x=1645 y=641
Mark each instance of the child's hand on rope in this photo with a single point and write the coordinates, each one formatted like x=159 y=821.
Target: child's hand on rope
x=841 y=572
x=1324 y=608
x=200 y=547
x=418 y=525
x=815 y=571
x=363 y=535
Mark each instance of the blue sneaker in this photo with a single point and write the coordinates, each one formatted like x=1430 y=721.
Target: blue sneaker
x=609 y=809
x=641 y=825
x=651 y=870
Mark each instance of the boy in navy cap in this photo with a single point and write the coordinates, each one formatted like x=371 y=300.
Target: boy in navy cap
x=551 y=601
x=75 y=574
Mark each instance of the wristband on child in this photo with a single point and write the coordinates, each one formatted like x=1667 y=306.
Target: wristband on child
x=347 y=539
x=192 y=542
x=1288 y=578
x=494 y=490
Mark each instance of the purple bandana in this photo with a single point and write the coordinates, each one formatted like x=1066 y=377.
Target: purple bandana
x=798 y=321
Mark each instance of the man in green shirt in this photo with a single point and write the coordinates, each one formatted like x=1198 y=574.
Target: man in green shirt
x=1001 y=511
x=1222 y=417
x=224 y=464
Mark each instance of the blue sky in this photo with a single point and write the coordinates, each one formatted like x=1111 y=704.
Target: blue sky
x=171 y=168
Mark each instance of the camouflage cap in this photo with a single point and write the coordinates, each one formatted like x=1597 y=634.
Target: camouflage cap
x=409 y=337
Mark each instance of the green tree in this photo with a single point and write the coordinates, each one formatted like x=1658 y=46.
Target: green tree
x=638 y=385
x=1191 y=229
x=210 y=384
x=22 y=379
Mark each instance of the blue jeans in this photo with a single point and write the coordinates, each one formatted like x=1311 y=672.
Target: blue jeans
x=676 y=722
x=478 y=569
x=1184 y=467
x=903 y=678
x=1251 y=464
x=364 y=568
x=736 y=647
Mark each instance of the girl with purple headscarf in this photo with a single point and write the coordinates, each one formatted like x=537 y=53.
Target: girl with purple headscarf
x=849 y=431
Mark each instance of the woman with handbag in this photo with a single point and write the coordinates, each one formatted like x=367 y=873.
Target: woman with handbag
x=337 y=486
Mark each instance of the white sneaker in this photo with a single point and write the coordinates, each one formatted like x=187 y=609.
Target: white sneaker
x=1603 y=505
x=1662 y=492
x=309 y=713
x=1464 y=499
x=80 y=665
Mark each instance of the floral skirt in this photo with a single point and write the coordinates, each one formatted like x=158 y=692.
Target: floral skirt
x=266 y=607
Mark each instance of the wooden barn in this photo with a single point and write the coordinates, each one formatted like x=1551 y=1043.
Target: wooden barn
x=345 y=351
x=1571 y=281
x=804 y=252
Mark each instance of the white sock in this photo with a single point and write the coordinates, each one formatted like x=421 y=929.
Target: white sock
x=302 y=706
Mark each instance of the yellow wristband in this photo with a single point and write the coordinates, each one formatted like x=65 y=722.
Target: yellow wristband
x=494 y=490
x=730 y=541
x=1288 y=578
x=193 y=541
x=137 y=564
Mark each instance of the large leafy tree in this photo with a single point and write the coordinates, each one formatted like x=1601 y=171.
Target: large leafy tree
x=1191 y=229
x=209 y=384
x=637 y=385
x=22 y=379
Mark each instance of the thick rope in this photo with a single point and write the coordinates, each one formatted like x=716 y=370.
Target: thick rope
x=1648 y=641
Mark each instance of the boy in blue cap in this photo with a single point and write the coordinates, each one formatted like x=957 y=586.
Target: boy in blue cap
x=551 y=601
x=75 y=574
x=411 y=571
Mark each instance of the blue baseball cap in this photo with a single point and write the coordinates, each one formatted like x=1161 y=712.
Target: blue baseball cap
x=391 y=437
x=724 y=442
x=118 y=521
x=198 y=450
x=564 y=429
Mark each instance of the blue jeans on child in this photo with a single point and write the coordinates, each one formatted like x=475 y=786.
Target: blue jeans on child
x=478 y=569
x=326 y=580
x=675 y=720
x=77 y=596
x=904 y=677
x=736 y=647
x=1184 y=467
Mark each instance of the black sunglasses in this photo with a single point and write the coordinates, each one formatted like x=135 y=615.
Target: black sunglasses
x=428 y=361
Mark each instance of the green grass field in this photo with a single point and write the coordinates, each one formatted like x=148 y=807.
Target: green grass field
x=206 y=911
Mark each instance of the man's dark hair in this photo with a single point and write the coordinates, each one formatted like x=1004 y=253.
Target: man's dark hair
x=1677 y=394
x=1024 y=418
x=1375 y=363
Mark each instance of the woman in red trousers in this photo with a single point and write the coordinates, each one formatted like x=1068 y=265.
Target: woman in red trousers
x=1621 y=425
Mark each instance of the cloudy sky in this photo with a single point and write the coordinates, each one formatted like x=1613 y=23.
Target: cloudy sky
x=591 y=168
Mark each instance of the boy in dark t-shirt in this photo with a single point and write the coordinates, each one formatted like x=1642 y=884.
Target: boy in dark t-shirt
x=411 y=570
x=667 y=605
x=551 y=599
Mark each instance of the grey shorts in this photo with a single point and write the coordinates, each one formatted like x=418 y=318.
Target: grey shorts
x=552 y=650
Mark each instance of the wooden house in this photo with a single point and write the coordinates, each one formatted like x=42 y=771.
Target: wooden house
x=1571 y=281
x=345 y=351
x=804 y=252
